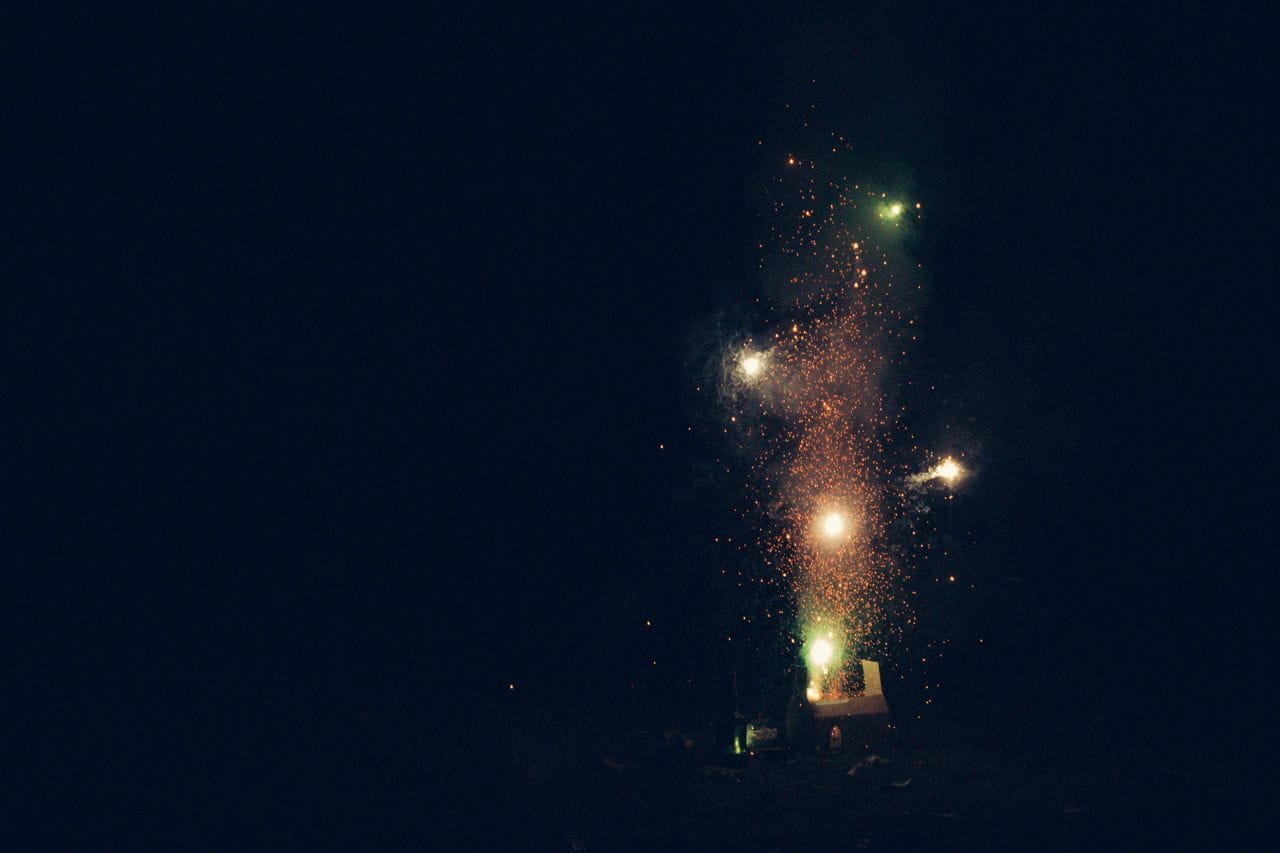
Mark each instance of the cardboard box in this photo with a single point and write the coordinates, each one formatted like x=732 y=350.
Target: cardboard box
x=835 y=724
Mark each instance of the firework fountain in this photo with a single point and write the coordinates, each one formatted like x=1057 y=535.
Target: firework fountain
x=810 y=406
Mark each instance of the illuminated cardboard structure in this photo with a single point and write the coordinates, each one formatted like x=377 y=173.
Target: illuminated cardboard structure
x=832 y=724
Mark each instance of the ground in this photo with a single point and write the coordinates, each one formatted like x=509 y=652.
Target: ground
x=927 y=786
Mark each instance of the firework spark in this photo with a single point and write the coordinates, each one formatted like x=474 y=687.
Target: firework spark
x=948 y=471
x=751 y=364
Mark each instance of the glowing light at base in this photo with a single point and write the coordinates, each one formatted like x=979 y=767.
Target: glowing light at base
x=821 y=652
x=813 y=694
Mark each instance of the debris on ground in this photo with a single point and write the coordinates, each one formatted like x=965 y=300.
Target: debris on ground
x=675 y=737
x=870 y=761
x=711 y=770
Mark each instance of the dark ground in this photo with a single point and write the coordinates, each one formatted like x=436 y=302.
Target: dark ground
x=562 y=781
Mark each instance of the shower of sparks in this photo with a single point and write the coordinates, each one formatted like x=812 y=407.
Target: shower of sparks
x=820 y=434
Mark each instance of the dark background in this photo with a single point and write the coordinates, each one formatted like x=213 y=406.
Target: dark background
x=350 y=342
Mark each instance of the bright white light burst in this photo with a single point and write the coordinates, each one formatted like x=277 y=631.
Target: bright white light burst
x=751 y=365
x=947 y=470
x=821 y=652
x=833 y=525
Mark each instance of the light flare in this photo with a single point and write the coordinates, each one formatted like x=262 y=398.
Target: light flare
x=948 y=471
x=833 y=525
x=821 y=652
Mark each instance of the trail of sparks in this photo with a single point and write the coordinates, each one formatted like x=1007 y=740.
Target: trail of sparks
x=810 y=410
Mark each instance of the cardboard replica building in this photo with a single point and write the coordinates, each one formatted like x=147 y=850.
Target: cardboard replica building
x=832 y=724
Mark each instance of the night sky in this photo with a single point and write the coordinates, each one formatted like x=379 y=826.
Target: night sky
x=352 y=343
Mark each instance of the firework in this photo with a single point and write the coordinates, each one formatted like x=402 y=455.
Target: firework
x=819 y=433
